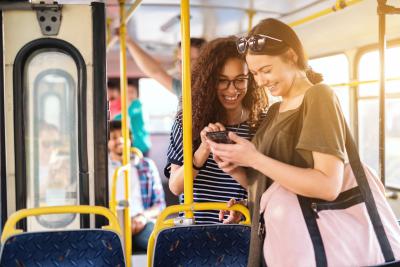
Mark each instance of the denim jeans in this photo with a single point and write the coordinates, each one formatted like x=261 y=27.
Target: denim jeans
x=140 y=240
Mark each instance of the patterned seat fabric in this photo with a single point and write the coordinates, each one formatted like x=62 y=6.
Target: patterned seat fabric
x=84 y=247
x=202 y=245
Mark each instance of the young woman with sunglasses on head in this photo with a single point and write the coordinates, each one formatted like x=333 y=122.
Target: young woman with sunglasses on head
x=223 y=98
x=297 y=153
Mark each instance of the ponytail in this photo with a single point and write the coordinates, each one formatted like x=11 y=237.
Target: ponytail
x=313 y=77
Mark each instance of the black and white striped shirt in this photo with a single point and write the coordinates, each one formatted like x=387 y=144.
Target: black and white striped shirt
x=211 y=183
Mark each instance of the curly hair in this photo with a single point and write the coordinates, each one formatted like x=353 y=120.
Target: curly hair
x=206 y=107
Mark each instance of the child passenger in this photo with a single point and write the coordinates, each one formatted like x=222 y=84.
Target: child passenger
x=147 y=194
x=223 y=98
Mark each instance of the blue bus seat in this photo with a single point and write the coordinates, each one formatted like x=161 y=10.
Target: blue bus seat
x=76 y=247
x=202 y=245
x=83 y=247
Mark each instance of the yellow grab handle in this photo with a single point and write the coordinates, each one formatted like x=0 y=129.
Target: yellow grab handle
x=116 y=175
x=137 y=152
x=10 y=226
x=162 y=223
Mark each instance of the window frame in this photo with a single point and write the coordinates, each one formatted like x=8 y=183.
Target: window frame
x=38 y=100
x=357 y=61
x=19 y=120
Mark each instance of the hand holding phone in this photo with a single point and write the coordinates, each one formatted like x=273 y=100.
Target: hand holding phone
x=220 y=137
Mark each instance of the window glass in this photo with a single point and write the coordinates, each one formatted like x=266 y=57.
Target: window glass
x=369 y=70
x=368 y=114
x=51 y=144
x=335 y=70
x=159 y=106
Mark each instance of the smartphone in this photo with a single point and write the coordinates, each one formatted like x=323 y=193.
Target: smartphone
x=220 y=137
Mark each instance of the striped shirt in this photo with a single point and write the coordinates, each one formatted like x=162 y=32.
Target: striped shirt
x=211 y=183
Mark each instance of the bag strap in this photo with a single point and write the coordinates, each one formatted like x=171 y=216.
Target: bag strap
x=368 y=197
x=362 y=182
x=305 y=203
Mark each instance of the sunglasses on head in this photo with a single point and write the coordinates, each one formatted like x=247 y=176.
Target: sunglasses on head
x=255 y=43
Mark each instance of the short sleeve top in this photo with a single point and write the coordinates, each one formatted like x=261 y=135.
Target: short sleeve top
x=211 y=183
x=322 y=130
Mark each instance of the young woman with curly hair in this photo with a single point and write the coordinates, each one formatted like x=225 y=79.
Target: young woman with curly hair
x=224 y=98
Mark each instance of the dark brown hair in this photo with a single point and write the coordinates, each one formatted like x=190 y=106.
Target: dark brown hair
x=206 y=107
x=195 y=42
x=277 y=29
x=116 y=125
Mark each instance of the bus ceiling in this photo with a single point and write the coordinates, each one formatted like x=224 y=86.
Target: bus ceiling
x=211 y=19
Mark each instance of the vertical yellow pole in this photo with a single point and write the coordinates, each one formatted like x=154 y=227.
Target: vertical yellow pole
x=250 y=14
x=125 y=131
x=108 y=30
x=187 y=105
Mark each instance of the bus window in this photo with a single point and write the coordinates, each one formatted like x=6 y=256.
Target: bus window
x=368 y=113
x=335 y=69
x=51 y=145
x=159 y=105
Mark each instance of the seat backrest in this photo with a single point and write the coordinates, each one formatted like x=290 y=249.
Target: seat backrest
x=202 y=245
x=84 y=247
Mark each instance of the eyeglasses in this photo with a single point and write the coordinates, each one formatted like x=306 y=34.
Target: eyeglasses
x=255 y=43
x=238 y=83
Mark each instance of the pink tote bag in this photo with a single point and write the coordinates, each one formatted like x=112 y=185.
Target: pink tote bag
x=348 y=235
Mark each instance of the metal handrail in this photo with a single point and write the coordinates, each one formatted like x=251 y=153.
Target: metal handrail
x=187 y=106
x=125 y=131
x=116 y=175
x=10 y=226
x=162 y=221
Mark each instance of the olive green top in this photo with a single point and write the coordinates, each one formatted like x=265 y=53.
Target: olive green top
x=322 y=130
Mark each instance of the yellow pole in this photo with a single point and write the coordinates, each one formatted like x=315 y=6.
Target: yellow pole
x=113 y=200
x=250 y=14
x=108 y=30
x=125 y=131
x=339 y=5
x=129 y=12
x=128 y=16
x=187 y=106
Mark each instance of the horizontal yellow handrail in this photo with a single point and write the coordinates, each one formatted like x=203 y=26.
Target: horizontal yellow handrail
x=355 y=82
x=10 y=226
x=339 y=5
x=116 y=175
x=162 y=223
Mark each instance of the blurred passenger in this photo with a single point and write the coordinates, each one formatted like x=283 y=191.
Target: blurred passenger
x=153 y=69
x=114 y=96
x=141 y=137
x=147 y=194
x=223 y=99
x=49 y=144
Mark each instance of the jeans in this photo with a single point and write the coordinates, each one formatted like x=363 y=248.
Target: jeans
x=140 y=240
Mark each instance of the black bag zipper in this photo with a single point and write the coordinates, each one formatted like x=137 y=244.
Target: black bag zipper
x=336 y=205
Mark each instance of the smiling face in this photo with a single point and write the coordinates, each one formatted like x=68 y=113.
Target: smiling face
x=273 y=73
x=233 y=73
x=116 y=144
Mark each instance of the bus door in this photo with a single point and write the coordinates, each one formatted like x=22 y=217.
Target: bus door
x=53 y=111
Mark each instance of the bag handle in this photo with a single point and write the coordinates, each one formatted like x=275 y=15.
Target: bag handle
x=366 y=193
x=359 y=173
